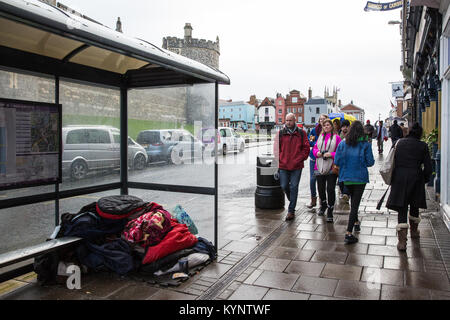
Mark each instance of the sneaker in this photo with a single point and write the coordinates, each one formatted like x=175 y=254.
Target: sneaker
x=349 y=239
x=357 y=227
x=330 y=219
x=290 y=216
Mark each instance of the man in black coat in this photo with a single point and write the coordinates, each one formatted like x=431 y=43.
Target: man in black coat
x=396 y=132
x=408 y=183
x=369 y=131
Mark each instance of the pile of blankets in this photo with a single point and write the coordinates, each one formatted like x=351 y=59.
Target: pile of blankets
x=124 y=234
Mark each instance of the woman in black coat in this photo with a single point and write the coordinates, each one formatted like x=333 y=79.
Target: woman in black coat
x=408 y=183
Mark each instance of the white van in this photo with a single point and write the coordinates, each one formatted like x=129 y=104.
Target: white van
x=96 y=147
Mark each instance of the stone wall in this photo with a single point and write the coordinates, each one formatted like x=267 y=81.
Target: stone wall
x=201 y=50
x=161 y=104
x=25 y=87
x=205 y=56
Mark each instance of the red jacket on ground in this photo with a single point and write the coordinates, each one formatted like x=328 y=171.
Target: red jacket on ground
x=294 y=148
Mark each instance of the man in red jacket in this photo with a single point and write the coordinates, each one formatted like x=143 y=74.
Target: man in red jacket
x=291 y=148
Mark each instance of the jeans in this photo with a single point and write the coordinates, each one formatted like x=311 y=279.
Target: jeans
x=356 y=192
x=327 y=182
x=289 y=180
x=403 y=213
x=380 y=145
x=312 y=178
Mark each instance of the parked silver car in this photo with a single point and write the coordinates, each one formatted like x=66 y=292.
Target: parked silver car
x=88 y=148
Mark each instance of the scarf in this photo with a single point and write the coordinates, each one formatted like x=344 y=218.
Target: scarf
x=324 y=165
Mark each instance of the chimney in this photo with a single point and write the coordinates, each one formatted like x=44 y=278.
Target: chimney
x=118 y=25
x=188 y=32
x=340 y=104
x=309 y=93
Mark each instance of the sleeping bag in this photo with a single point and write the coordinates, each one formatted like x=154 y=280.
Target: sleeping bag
x=178 y=238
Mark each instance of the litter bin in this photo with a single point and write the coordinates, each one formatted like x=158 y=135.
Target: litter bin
x=268 y=194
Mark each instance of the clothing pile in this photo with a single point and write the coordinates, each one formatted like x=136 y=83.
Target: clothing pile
x=125 y=234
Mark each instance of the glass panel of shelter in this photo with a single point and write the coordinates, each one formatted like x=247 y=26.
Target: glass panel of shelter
x=26 y=225
x=20 y=86
x=95 y=112
x=199 y=208
x=172 y=125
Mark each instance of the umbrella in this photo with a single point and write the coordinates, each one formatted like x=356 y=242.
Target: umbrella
x=341 y=116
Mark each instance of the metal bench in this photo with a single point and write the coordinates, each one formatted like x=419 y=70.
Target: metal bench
x=22 y=256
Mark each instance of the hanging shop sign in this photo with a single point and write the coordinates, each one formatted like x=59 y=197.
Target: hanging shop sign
x=376 y=6
x=397 y=89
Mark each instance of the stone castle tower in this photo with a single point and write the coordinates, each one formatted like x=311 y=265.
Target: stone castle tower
x=331 y=98
x=201 y=50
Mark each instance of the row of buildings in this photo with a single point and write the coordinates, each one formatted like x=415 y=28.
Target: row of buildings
x=255 y=114
x=270 y=113
x=425 y=31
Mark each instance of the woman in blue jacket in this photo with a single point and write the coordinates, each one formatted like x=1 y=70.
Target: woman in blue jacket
x=353 y=157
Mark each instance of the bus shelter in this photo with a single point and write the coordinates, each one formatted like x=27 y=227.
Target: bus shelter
x=99 y=78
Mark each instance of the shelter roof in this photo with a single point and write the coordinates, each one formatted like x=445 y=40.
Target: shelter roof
x=39 y=28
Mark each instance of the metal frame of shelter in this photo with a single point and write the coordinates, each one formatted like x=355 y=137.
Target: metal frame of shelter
x=142 y=65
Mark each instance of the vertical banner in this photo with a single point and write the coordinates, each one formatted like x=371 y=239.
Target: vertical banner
x=376 y=6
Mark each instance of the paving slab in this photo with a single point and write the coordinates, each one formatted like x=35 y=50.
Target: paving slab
x=357 y=290
x=249 y=292
x=275 y=294
x=315 y=285
x=276 y=280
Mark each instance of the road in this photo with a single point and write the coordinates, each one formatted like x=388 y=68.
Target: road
x=26 y=225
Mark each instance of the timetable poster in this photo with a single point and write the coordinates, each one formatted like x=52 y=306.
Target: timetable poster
x=30 y=134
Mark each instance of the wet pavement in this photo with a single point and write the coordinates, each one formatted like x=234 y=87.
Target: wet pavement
x=263 y=257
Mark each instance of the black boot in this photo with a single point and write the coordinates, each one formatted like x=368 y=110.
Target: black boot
x=330 y=214
x=313 y=203
x=323 y=207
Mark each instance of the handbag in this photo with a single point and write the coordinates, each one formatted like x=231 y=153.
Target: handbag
x=382 y=199
x=335 y=169
x=388 y=166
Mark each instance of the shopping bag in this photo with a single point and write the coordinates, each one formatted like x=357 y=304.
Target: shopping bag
x=388 y=166
x=181 y=215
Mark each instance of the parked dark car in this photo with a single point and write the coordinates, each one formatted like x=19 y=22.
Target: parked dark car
x=171 y=145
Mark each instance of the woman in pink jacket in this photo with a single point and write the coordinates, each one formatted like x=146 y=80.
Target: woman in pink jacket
x=324 y=151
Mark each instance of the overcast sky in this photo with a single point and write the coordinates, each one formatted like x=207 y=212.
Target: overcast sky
x=276 y=46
